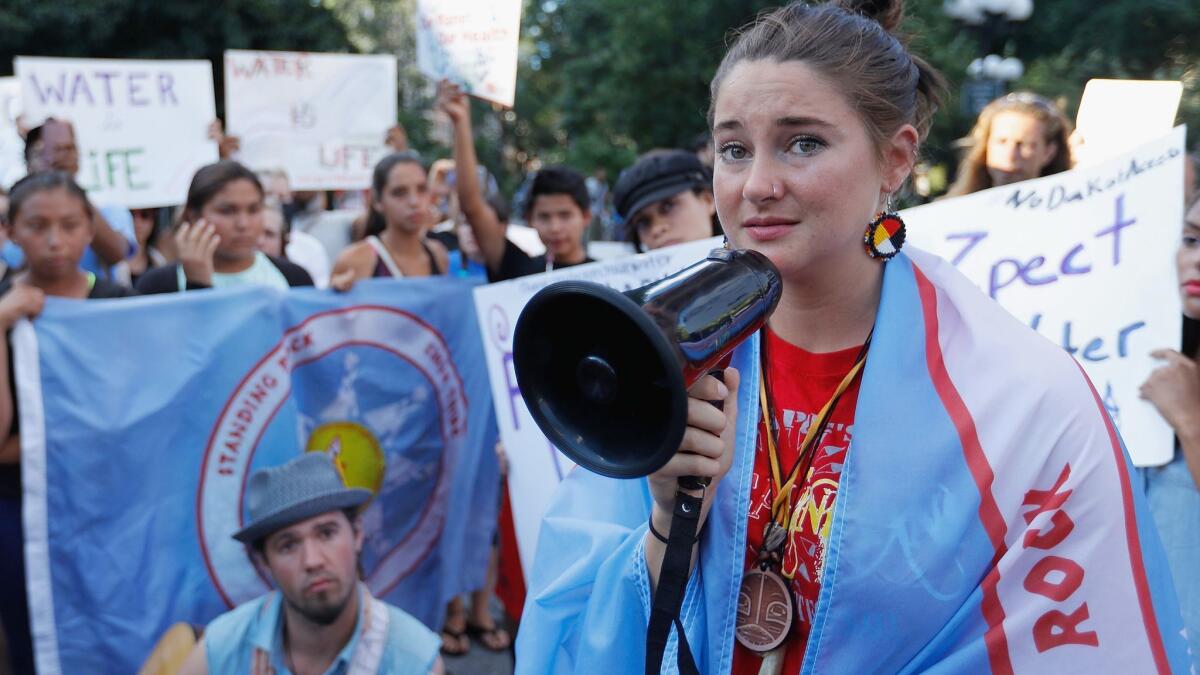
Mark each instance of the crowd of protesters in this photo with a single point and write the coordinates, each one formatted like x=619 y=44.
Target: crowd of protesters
x=242 y=227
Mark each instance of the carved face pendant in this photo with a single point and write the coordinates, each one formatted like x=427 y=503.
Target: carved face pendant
x=764 y=611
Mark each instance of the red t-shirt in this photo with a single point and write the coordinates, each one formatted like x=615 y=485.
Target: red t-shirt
x=800 y=384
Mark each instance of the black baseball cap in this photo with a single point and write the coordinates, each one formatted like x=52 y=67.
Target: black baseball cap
x=656 y=176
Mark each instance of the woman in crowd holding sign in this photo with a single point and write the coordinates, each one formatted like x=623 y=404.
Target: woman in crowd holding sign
x=1173 y=490
x=217 y=241
x=905 y=478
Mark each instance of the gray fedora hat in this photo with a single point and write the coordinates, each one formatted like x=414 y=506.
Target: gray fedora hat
x=300 y=489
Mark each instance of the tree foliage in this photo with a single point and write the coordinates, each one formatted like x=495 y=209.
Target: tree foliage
x=181 y=29
x=604 y=80
x=601 y=81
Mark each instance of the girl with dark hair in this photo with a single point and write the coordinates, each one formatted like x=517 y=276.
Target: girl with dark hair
x=217 y=239
x=148 y=256
x=50 y=218
x=904 y=478
x=401 y=200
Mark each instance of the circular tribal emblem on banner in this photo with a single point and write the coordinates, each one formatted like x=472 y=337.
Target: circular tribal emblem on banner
x=356 y=453
x=377 y=389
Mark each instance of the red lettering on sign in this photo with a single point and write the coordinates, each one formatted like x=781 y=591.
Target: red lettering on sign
x=1038 y=580
x=1055 y=629
x=1055 y=577
x=1061 y=525
x=1047 y=500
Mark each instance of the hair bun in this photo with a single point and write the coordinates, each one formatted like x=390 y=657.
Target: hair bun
x=888 y=13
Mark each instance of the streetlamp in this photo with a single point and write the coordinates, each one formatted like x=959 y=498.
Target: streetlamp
x=990 y=74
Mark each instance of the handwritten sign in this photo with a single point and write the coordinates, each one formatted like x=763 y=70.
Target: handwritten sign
x=12 y=146
x=535 y=466
x=322 y=118
x=1086 y=258
x=472 y=43
x=1116 y=116
x=141 y=126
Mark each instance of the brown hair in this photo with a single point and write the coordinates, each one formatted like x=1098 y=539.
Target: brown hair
x=851 y=43
x=972 y=173
x=211 y=179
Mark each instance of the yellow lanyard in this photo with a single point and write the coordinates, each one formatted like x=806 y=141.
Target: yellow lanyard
x=783 y=489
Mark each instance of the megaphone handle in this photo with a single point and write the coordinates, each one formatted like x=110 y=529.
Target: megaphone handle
x=695 y=482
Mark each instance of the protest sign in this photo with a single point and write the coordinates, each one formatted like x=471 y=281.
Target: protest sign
x=132 y=493
x=322 y=118
x=12 y=147
x=472 y=43
x=141 y=126
x=1116 y=116
x=1085 y=257
x=535 y=466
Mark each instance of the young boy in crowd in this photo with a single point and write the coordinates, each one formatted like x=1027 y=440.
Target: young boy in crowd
x=557 y=206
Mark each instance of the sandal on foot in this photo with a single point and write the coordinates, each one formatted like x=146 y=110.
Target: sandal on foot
x=457 y=637
x=490 y=638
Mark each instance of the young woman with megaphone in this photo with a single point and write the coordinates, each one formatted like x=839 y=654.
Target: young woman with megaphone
x=904 y=477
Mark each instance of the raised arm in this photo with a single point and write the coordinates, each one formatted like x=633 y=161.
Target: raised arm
x=489 y=231
x=110 y=245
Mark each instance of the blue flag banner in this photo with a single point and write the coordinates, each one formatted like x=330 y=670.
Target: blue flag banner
x=142 y=419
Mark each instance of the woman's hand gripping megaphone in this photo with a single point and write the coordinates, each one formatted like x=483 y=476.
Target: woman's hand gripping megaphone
x=705 y=452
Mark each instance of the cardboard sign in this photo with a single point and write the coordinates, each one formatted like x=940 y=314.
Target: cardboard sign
x=472 y=43
x=12 y=146
x=322 y=118
x=535 y=466
x=141 y=126
x=1085 y=257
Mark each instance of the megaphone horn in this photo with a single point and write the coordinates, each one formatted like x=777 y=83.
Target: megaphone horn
x=605 y=374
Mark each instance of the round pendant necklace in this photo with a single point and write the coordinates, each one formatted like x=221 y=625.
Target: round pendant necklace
x=765 y=610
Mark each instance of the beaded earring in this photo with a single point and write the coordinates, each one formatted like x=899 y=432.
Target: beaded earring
x=885 y=234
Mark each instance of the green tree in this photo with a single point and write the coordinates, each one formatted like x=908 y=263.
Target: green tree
x=178 y=29
x=604 y=80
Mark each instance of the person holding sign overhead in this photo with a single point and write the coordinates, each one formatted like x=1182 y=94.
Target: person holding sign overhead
x=1020 y=136
x=1173 y=490
x=52 y=147
x=558 y=206
x=905 y=478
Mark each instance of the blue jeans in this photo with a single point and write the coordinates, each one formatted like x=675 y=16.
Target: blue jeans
x=14 y=607
x=1175 y=502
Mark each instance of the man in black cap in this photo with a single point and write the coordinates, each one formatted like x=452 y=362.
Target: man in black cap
x=666 y=198
x=305 y=530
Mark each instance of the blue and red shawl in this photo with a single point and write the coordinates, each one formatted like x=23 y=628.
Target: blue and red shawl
x=985 y=520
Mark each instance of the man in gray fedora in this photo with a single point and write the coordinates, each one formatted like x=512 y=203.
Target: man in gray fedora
x=305 y=529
